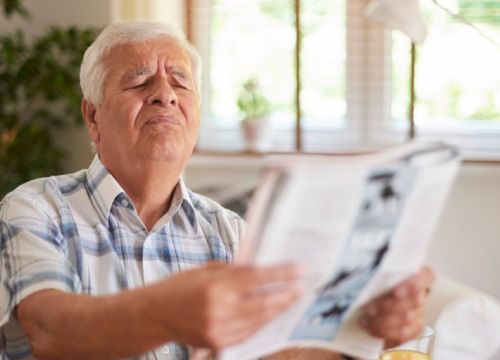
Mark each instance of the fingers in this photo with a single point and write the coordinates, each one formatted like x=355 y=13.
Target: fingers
x=398 y=316
x=395 y=328
x=279 y=297
x=414 y=286
x=227 y=304
x=240 y=330
x=263 y=307
x=263 y=278
x=395 y=320
x=392 y=304
x=240 y=321
x=248 y=311
x=250 y=290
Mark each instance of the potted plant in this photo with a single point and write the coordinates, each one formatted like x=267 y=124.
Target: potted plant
x=39 y=93
x=254 y=107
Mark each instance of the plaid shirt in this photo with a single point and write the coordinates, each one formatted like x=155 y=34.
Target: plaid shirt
x=80 y=233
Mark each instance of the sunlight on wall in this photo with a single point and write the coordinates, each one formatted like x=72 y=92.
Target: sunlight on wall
x=171 y=11
x=131 y=10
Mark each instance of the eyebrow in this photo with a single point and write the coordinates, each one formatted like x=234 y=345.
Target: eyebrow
x=178 y=72
x=147 y=70
x=136 y=73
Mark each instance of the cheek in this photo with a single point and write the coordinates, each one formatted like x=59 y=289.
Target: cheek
x=127 y=107
x=191 y=111
x=124 y=113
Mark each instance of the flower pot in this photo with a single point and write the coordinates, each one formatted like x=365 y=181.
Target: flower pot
x=257 y=134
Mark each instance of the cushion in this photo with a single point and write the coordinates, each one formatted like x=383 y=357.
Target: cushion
x=467 y=321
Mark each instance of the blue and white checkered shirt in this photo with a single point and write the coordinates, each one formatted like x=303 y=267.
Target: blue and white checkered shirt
x=80 y=233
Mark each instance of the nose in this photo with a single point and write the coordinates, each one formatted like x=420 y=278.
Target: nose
x=162 y=94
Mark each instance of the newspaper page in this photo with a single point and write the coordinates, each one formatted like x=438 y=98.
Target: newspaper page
x=361 y=225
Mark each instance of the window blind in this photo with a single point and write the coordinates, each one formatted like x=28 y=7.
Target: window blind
x=361 y=100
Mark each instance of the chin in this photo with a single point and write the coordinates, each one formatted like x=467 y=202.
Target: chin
x=165 y=147
x=169 y=153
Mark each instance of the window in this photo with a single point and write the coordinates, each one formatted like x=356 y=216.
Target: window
x=258 y=39
x=353 y=88
x=265 y=52
x=457 y=81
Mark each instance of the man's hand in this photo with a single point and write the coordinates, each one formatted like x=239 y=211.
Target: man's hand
x=213 y=307
x=220 y=305
x=398 y=316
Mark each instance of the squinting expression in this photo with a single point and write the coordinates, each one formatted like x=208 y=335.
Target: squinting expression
x=150 y=108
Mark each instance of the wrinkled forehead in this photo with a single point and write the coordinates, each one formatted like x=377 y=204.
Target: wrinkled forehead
x=127 y=57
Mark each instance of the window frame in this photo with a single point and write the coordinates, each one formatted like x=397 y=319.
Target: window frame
x=368 y=98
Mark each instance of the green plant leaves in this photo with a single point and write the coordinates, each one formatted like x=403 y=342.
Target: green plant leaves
x=11 y=7
x=39 y=92
x=251 y=100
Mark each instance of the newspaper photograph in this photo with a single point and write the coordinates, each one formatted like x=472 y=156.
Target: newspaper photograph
x=360 y=223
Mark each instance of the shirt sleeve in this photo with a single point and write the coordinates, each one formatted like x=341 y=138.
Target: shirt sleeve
x=33 y=254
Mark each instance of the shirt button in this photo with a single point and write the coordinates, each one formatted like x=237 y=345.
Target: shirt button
x=165 y=350
x=124 y=202
x=148 y=241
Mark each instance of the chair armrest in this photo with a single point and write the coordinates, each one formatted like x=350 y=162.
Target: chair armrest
x=467 y=321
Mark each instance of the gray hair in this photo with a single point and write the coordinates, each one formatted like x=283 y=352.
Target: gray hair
x=93 y=73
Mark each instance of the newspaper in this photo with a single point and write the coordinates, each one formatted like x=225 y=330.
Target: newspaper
x=360 y=223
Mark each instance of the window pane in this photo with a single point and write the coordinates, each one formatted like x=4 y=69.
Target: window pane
x=457 y=76
x=253 y=39
x=323 y=57
x=401 y=47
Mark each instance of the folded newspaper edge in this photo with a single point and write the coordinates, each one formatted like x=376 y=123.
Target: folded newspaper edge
x=360 y=223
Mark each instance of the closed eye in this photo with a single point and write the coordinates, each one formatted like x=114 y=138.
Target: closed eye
x=139 y=86
x=179 y=86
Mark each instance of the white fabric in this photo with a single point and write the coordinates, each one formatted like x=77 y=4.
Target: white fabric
x=467 y=322
x=403 y=15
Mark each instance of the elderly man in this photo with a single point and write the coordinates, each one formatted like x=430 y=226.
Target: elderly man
x=121 y=260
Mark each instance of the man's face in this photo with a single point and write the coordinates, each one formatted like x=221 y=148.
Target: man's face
x=150 y=108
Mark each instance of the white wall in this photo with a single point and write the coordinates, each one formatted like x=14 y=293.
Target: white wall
x=467 y=242
x=171 y=11
x=67 y=12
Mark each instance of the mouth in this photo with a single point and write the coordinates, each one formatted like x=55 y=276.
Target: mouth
x=162 y=119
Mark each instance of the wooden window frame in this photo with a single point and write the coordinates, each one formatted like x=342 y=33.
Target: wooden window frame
x=368 y=92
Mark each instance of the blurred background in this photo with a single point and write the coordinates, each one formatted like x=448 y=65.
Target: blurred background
x=303 y=75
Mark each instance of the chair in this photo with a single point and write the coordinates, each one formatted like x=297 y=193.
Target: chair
x=467 y=322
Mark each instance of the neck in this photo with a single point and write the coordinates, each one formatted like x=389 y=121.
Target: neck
x=150 y=186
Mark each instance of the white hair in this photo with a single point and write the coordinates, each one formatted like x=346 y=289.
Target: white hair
x=93 y=72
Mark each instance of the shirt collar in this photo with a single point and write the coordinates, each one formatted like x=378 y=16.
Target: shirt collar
x=187 y=204
x=180 y=198
x=103 y=189
x=184 y=192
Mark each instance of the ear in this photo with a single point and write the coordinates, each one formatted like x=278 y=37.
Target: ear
x=89 y=113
